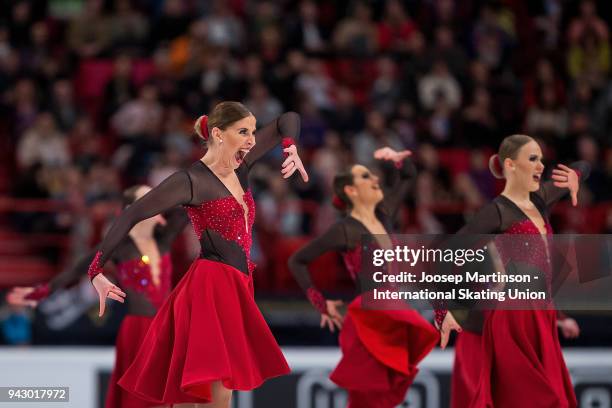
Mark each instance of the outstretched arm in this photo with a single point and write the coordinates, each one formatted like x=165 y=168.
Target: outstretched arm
x=175 y=190
x=72 y=275
x=30 y=296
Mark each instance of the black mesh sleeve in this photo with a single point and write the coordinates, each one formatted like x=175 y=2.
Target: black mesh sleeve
x=175 y=190
x=486 y=221
x=72 y=275
x=396 y=194
x=334 y=239
x=272 y=134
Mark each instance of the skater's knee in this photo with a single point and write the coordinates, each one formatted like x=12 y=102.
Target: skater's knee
x=221 y=395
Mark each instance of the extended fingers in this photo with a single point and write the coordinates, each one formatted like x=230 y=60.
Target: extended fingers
x=290 y=172
x=443 y=339
x=330 y=323
x=102 y=305
x=379 y=153
x=303 y=173
x=564 y=167
x=118 y=291
x=287 y=168
x=560 y=172
x=288 y=160
x=560 y=177
x=335 y=315
x=115 y=297
x=405 y=153
x=22 y=291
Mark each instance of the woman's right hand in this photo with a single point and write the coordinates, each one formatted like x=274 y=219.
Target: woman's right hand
x=566 y=177
x=333 y=316
x=106 y=288
x=292 y=163
x=18 y=296
x=387 y=153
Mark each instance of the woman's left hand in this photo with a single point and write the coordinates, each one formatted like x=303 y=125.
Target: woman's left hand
x=566 y=177
x=448 y=325
x=18 y=296
x=569 y=328
x=293 y=163
x=387 y=153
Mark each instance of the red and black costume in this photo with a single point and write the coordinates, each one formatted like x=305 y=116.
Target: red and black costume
x=509 y=358
x=209 y=329
x=144 y=297
x=380 y=348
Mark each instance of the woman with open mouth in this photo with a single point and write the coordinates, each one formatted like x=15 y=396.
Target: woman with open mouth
x=380 y=348
x=209 y=337
x=511 y=358
x=144 y=270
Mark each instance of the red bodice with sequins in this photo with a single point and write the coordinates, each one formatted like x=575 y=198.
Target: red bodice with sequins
x=226 y=217
x=531 y=249
x=135 y=274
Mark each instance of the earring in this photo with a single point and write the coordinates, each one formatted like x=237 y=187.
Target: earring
x=221 y=141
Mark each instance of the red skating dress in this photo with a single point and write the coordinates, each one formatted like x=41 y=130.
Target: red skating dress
x=511 y=358
x=209 y=329
x=380 y=348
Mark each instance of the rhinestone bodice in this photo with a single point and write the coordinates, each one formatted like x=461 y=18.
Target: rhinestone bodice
x=226 y=217
x=531 y=249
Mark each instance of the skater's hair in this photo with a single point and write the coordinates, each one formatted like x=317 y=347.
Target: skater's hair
x=224 y=114
x=130 y=194
x=508 y=149
x=341 y=200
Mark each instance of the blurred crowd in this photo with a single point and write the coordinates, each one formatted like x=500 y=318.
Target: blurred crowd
x=98 y=95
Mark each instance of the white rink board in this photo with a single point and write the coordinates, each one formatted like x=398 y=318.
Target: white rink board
x=78 y=368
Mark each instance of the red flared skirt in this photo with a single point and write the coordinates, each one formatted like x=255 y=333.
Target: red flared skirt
x=523 y=364
x=380 y=353
x=466 y=369
x=131 y=334
x=209 y=329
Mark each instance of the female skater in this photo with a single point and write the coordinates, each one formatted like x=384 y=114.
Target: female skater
x=144 y=270
x=380 y=349
x=519 y=349
x=209 y=337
